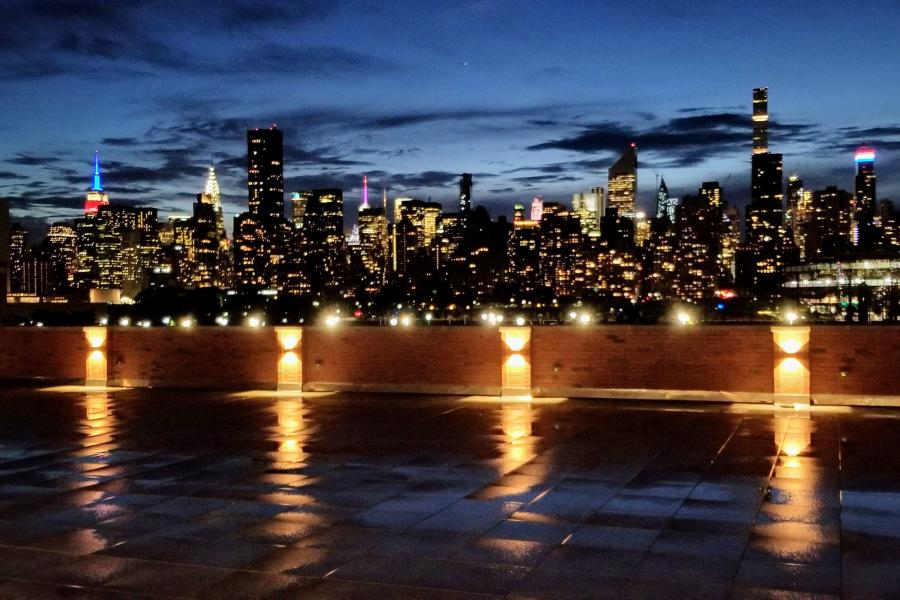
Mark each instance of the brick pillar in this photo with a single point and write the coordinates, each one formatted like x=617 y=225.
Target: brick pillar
x=791 y=365
x=95 y=372
x=516 y=368
x=290 y=364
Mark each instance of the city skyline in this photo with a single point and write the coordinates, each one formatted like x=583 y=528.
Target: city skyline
x=536 y=128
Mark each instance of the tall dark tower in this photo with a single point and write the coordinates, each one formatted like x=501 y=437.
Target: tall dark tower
x=864 y=219
x=761 y=261
x=760 y=120
x=465 y=194
x=265 y=173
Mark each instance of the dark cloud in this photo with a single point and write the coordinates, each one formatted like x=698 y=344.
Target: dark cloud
x=682 y=141
x=11 y=175
x=120 y=141
x=308 y=61
x=30 y=159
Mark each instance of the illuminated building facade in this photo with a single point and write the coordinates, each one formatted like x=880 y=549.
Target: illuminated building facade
x=262 y=235
x=760 y=264
x=415 y=233
x=665 y=204
x=829 y=232
x=859 y=289
x=299 y=200
x=18 y=255
x=865 y=233
x=589 y=208
x=525 y=259
x=760 y=120
x=696 y=229
x=323 y=241
x=537 y=208
x=622 y=183
x=562 y=253
x=63 y=251
x=374 y=245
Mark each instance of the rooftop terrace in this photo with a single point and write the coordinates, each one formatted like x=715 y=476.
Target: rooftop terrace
x=205 y=494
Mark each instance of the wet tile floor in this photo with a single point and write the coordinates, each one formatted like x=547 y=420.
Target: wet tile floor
x=168 y=493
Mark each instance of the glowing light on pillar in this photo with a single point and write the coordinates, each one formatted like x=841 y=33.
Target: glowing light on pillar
x=516 y=368
x=95 y=365
x=791 y=374
x=290 y=364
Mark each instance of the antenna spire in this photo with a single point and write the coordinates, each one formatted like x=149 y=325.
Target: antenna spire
x=97 y=186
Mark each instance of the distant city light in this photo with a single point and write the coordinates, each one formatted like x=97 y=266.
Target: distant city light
x=791 y=317
x=124 y=322
x=254 y=321
x=332 y=320
x=393 y=321
x=684 y=318
x=222 y=320
x=186 y=322
x=520 y=321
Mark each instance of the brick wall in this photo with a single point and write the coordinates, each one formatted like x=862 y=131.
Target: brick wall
x=218 y=357
x=867 y=357
x=843 y=360
x=720 y=358
x=458 y=359
x=57 y=353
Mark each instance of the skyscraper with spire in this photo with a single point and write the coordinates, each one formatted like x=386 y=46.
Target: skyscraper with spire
x=96 y=197
x=365 y=194
x=213 y=196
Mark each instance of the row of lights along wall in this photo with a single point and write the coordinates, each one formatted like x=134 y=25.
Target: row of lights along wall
x=791 y=373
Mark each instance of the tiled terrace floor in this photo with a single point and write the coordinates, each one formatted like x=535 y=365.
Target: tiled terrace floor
x=214 y=495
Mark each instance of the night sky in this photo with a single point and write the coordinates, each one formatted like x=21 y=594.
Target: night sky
x=534 y=98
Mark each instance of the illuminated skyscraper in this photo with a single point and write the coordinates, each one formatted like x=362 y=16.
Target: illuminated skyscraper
x=665 y=204
x=623 y=183
x=761 y=259
x=212 y=195
x=61 y=243
x=518 y=212
x=830 y=228
x=265 y=173
x=299 y=200
x=465 y=194
x=374 y=244
x=537 y=208
x=96 y=197
x=865 y=233
x=18 y=254
x=589 y=208
x=324 y=244
x=760 y=120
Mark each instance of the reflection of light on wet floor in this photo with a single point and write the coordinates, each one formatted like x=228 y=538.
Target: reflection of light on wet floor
x=290 y=422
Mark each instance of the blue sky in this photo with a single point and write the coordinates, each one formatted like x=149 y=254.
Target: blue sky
x=534 y=98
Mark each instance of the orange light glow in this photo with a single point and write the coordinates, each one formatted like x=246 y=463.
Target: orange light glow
x=96 y=336
x=96 y=409
x=791 y=378
x=288 y=337
x=515 y=338
x=791 y=339
x=516 y=424
x=290 y=371
x=95 y=368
